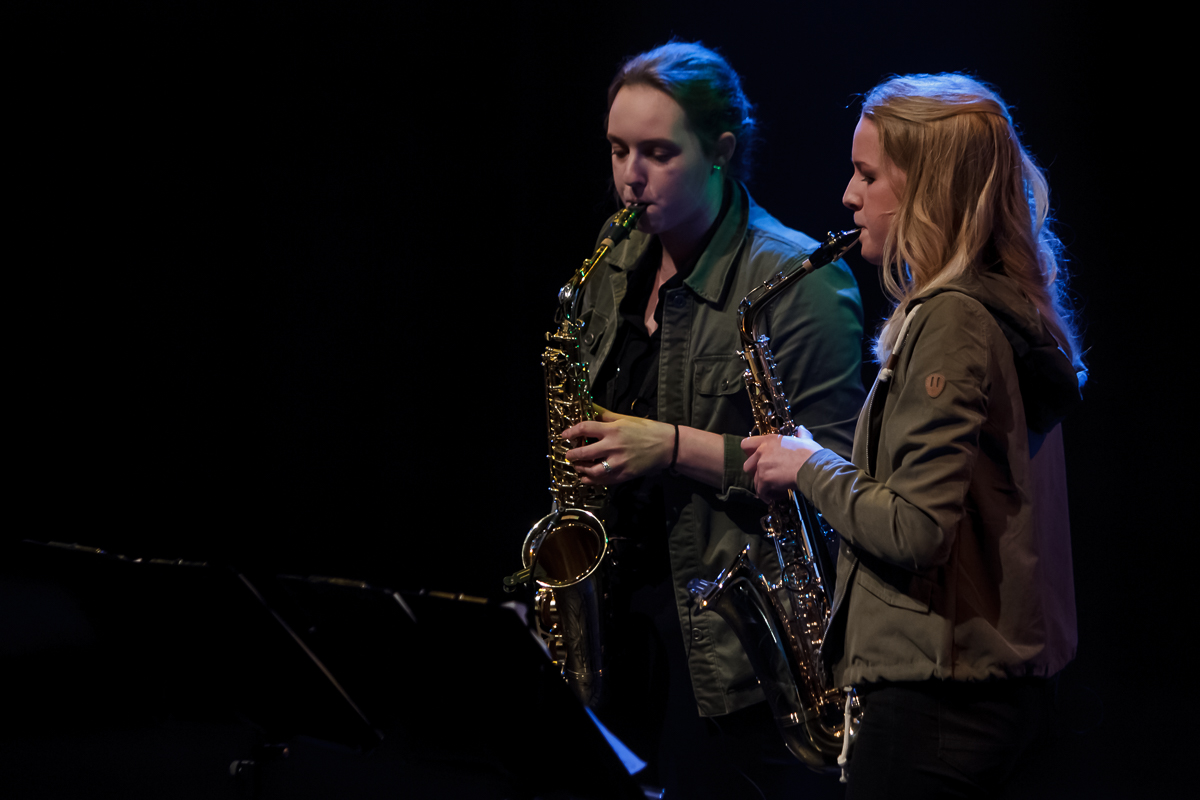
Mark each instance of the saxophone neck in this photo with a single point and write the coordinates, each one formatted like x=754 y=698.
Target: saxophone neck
x=620 y=227
x=834 y=247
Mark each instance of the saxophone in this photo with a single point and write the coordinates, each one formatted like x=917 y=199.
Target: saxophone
x=781 y=625
x=563 y=551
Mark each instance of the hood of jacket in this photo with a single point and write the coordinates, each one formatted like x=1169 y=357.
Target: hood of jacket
x=1050 y=384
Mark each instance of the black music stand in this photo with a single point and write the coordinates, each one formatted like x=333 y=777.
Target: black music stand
x=132 y=678
x=467 y=686
x=154 y=678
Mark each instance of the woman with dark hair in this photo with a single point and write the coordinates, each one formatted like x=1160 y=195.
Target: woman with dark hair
x=660 y=340
x=955 y=600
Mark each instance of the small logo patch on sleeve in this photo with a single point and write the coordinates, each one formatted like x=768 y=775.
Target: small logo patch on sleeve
x=935 y=383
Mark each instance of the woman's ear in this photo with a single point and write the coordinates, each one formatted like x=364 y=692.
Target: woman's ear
x=726 y=145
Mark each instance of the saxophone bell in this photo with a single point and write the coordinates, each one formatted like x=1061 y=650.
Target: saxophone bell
x=564 y=548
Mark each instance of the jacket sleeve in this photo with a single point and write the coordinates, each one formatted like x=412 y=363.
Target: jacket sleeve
x=928 y=443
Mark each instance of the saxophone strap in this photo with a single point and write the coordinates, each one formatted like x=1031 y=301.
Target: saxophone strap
x=889 y=369
x=879 y=392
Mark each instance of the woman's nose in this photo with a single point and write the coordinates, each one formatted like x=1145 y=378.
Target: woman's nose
x=850 y=198
x=634 y=172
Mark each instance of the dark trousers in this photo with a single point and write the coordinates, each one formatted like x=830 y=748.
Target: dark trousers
x=652 y=708
x=739 y=755
x=935 y=739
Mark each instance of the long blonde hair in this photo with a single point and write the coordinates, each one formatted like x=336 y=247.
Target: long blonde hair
x=972 y=199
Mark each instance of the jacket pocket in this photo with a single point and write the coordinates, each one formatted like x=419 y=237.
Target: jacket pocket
x=593 y=333
x=719 y=403
x=918 y=599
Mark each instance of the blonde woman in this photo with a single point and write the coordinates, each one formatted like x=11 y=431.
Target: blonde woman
x=955 y=600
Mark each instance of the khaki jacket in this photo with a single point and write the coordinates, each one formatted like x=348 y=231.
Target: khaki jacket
x=955 y=560
x=816 y=333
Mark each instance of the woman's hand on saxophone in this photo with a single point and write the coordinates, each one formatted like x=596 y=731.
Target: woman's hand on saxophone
x=774 y=461
x=629 y=446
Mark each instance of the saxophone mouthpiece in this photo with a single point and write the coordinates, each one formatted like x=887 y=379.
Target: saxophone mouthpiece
x=622 y=224
x=836 y=245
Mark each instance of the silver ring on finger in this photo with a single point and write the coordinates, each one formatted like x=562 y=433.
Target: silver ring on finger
x=607 y=467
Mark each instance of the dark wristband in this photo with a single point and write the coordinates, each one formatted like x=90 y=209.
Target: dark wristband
x=675 y=452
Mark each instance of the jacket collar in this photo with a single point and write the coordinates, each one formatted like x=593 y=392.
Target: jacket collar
x=711 y=273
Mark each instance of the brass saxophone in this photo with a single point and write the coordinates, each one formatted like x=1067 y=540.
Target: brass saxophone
x=781 y=625
x=563 y=551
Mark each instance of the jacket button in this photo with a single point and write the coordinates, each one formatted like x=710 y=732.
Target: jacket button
x=679 y=300
x=589 y=337
x=697 y=634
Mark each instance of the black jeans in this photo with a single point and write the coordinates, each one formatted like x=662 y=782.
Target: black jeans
x=652 y=708
x=947 y=738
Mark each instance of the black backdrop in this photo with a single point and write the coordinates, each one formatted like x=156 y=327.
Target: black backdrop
x=281 y=278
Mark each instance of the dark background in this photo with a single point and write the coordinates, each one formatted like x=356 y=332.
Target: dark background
x=281 y=277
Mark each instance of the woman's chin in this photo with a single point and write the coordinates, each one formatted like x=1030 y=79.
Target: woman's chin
x=870 y=253
x=647 y=225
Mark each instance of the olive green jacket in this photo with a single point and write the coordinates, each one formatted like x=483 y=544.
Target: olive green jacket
x=816 y=334
x=955 y=561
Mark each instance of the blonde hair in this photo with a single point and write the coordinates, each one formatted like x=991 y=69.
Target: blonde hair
x=972 y=199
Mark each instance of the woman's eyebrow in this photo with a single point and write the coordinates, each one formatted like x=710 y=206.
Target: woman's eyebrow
x=659 y=143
